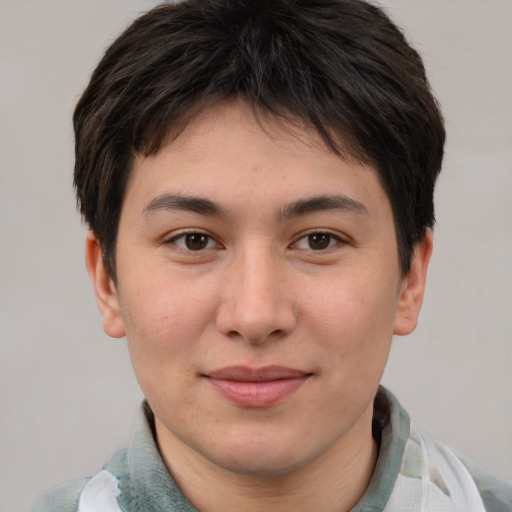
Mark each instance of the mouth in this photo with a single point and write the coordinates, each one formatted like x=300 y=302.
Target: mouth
x=257 y=387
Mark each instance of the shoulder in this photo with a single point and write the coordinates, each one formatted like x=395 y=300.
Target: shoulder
x=86 y=494
x=99 y=492
x=430 y=472
x=61 y=498
x=463 y=478
x=496 y=493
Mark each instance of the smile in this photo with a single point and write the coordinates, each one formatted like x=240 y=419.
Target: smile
x=263 y=387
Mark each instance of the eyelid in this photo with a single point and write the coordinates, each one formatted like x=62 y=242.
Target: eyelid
x=340 y=239
x=171 y=240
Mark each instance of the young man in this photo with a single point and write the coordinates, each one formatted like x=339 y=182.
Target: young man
x=258 y=179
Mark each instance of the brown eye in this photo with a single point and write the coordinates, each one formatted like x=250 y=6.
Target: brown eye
x=196 y=241
x=319 y=241
x=193 y=241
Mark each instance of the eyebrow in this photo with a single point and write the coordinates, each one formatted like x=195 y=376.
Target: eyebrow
x=321 y=203
x=203 y=206
x=171 y=202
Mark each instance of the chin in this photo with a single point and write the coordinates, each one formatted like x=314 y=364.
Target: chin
x=261 y=467
x=261 y=459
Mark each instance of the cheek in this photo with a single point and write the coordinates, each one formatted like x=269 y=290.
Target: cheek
x=164 y=325
x=355 y=318
x=164 y=319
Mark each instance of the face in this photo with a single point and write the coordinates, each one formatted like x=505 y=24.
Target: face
x=258 y=286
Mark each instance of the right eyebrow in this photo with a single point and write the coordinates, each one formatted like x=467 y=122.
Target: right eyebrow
x=172 y=202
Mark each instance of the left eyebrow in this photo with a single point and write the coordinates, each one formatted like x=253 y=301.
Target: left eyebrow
x=321 y=203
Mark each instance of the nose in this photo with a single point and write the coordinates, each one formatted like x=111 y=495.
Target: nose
x=256 y=303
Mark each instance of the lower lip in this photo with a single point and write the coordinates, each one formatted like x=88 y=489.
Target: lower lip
x=258 y=394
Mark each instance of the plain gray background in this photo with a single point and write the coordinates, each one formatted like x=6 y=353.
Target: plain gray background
x=67 y=394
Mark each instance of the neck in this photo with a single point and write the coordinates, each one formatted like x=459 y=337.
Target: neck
x=334 y=482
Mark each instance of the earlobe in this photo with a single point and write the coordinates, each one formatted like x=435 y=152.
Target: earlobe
x=104 y=288
x=413 y=287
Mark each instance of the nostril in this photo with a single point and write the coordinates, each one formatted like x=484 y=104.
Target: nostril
x=256 y=336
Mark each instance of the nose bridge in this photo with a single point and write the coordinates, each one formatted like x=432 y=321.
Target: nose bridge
x=256 y=304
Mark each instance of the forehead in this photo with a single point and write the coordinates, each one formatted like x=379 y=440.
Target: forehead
x=229 y=122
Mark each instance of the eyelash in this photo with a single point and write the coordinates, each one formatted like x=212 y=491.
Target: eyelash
x=332 y=240
x=325 y=236
x=184 y=235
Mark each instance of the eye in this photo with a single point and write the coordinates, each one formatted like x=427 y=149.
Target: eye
x=319 y=241
x=193 y=241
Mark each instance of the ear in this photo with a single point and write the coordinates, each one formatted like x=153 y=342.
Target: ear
x=104 y=288
x=413 y=287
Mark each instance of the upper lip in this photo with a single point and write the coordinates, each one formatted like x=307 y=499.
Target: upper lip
x=264 y=374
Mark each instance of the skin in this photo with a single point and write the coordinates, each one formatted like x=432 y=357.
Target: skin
x=258 y=290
